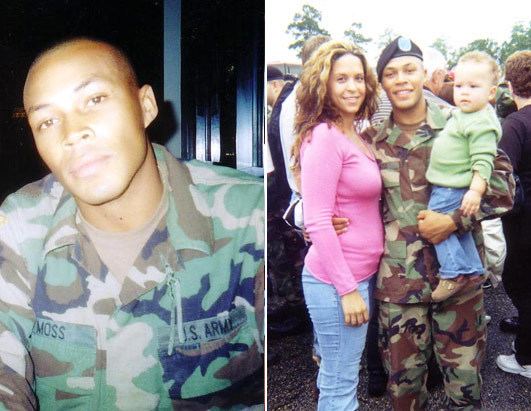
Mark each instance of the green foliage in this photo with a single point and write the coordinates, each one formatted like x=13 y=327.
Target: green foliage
x=440 y=44
x=487 y=45
x=304 y=26
x=308 y=23
x=354 y=35
x=520 y=40
x=387 y=37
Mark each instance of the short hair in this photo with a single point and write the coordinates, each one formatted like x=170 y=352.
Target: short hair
x=274 y=73
x=477 y=56
x=447 y=92
x=433 y=60
x=312 y=44
x=518 y=73
x=117 y=54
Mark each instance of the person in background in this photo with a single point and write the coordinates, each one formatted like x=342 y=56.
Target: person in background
x=288 y=250
x=338 y=174
x=447 y=92
x=277 y=91
x=516 y=142
x=504 y=101
x=436 y=71
x=288 y=110
x=286 y=311
x=275 y=84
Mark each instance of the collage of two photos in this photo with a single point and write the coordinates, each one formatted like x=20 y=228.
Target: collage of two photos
x=397 y=231
x=249 y=205
x=132 y=221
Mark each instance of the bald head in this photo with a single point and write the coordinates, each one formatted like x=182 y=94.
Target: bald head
x=115 y=58
x=88 y=118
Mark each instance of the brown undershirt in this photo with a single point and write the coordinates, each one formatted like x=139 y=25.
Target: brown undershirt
x=118 y=250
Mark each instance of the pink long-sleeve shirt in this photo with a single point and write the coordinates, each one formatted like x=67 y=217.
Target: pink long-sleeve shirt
x=338 y=179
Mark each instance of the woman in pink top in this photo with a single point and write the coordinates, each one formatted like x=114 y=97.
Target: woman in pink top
x=338 y=176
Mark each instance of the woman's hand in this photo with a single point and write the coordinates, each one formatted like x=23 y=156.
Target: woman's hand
x=354 y=309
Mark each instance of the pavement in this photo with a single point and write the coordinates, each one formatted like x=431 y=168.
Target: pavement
x=291 y=373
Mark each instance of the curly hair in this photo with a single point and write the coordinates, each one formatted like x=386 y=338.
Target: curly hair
x=313 y=103
x=518 y=72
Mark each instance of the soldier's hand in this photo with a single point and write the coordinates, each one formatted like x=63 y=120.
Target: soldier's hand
x=340 y=224
x=435 y=227
x=354 y=309
x=470 y=203
x=305 y=235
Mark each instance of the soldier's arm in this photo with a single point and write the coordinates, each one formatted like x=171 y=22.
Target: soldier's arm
x=16 y=319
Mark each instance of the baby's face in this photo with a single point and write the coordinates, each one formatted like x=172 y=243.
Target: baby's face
x=473 y=86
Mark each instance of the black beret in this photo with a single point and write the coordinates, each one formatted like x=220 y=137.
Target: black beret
x=401 y=46
x=274 y=74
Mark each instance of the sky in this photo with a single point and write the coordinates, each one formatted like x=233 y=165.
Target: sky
x=457 y=21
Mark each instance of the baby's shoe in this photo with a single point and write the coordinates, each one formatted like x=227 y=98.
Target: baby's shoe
x=446 y=288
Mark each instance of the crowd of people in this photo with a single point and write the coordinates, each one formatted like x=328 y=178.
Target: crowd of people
x=403 y=175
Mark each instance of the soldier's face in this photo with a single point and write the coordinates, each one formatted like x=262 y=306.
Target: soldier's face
x=402 y=80
x=346 y=85
x=88 y=121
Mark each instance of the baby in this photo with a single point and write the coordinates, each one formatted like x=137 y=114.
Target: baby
x=461 y=164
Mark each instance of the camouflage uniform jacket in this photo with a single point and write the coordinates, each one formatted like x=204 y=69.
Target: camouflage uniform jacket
x=409 y=266
x=181 y=332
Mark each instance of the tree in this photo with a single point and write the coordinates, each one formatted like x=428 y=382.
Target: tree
x=440 y=44
x=487 y=45
x=354 y=34
x=520 y=40
x=304 y=26
x=387 y=37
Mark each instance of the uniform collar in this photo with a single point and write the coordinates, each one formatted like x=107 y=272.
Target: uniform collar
x=188 y=228
x=436 y=118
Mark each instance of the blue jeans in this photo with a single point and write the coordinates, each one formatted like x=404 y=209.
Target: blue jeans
x=340 y=346
x=458 y=253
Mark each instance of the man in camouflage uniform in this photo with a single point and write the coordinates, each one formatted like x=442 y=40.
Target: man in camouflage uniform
x=411 y=326
x=178 y=325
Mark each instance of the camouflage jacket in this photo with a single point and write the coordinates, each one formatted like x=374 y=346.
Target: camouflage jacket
x=408 y=269
x=184 y=330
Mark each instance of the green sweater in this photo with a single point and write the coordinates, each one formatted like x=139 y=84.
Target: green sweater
x=467 y=143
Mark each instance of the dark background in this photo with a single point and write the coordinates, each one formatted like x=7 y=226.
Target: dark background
x=221 y=44
x=28 y=27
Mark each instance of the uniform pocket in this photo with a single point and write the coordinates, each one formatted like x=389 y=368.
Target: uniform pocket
x=64 y=358
x=392 y=203
x=390 y=172
x=204 y=361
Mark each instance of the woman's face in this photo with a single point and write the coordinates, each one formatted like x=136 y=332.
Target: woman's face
x=346 y=86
